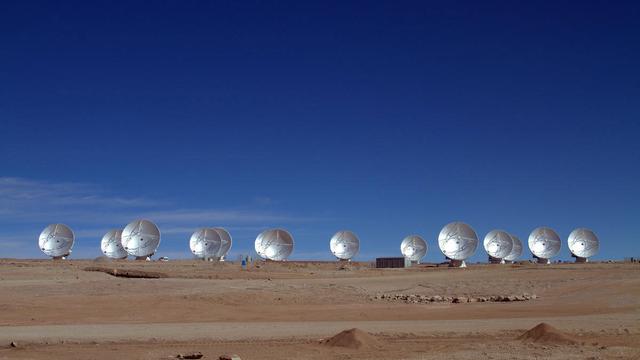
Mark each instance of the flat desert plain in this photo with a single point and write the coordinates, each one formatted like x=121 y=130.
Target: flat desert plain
x=290 y=310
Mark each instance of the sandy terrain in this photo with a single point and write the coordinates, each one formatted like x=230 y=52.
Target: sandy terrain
x=56 y=309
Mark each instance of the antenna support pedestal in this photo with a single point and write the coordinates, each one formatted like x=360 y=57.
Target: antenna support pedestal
x=580 y=259
x=542 y=260
x=457 y=263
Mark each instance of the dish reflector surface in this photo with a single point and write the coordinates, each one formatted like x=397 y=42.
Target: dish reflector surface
x=56 y=240
x=544 y=243
x=141 y=238
x=344 y=245
x=583 y=243
x=413 y=247
x=111 y=245
x=498 y=244
x=516 y=251
x=274 y=244
x=205 y=243
x=226 y=242
x=457 y=241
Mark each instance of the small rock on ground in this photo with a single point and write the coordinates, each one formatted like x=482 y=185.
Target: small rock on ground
x=229 y=357
x=195 y=355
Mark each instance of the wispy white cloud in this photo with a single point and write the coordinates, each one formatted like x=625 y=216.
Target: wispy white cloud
x=19 y=191
x=27 y=206
x=30 y=200
x=213 y=215
x=25 y=200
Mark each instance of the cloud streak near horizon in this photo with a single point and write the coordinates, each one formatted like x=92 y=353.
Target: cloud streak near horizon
x=28 y=205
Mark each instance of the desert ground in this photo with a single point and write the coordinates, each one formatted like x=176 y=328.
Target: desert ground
x=291 y=310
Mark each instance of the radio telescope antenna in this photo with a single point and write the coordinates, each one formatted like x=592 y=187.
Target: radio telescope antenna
x=516 y=252
x=141 y=238
x=56 y=241
x=498 y=245
x=226 y=243
x=344 y=245
x=111 y=245
x=544 y=244
x=274 y=244
x=583 y=244
x=205 y=243
x=413 y=248
x=457 y=241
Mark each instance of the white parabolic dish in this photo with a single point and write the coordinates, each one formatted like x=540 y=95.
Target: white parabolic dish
x=111 y=245
x=498 y=244
x=583 y=243
x=274 y=244
x=413 y=247
x=225 y=246
x=457 y=241
x=544 y=243
x=344 y=245
x=141 y=238
x=516 y=251
x=205 y=243
x=56 y=240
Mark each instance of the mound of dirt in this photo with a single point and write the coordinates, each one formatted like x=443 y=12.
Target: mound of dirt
x=545 y=333
x=128 y=273
x=352 y=338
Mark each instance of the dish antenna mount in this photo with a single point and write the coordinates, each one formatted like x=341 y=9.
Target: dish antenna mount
x=516 y=251
x=111 y=245
x=457 y=241
x=498 y=245
x=544 y=244
x=274 y=244
x=56 y=241
x=141 y=238
x=583 y=244
x=413 y=248
x=344 y=245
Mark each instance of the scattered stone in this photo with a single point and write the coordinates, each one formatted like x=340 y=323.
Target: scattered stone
x=14 y=344
x=195 y=355
x=229 y=357
x=423 y=299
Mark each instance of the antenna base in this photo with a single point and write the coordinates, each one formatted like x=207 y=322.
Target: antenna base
x=457 y=263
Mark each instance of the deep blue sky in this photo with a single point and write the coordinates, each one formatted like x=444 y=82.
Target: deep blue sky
x=387 y=119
